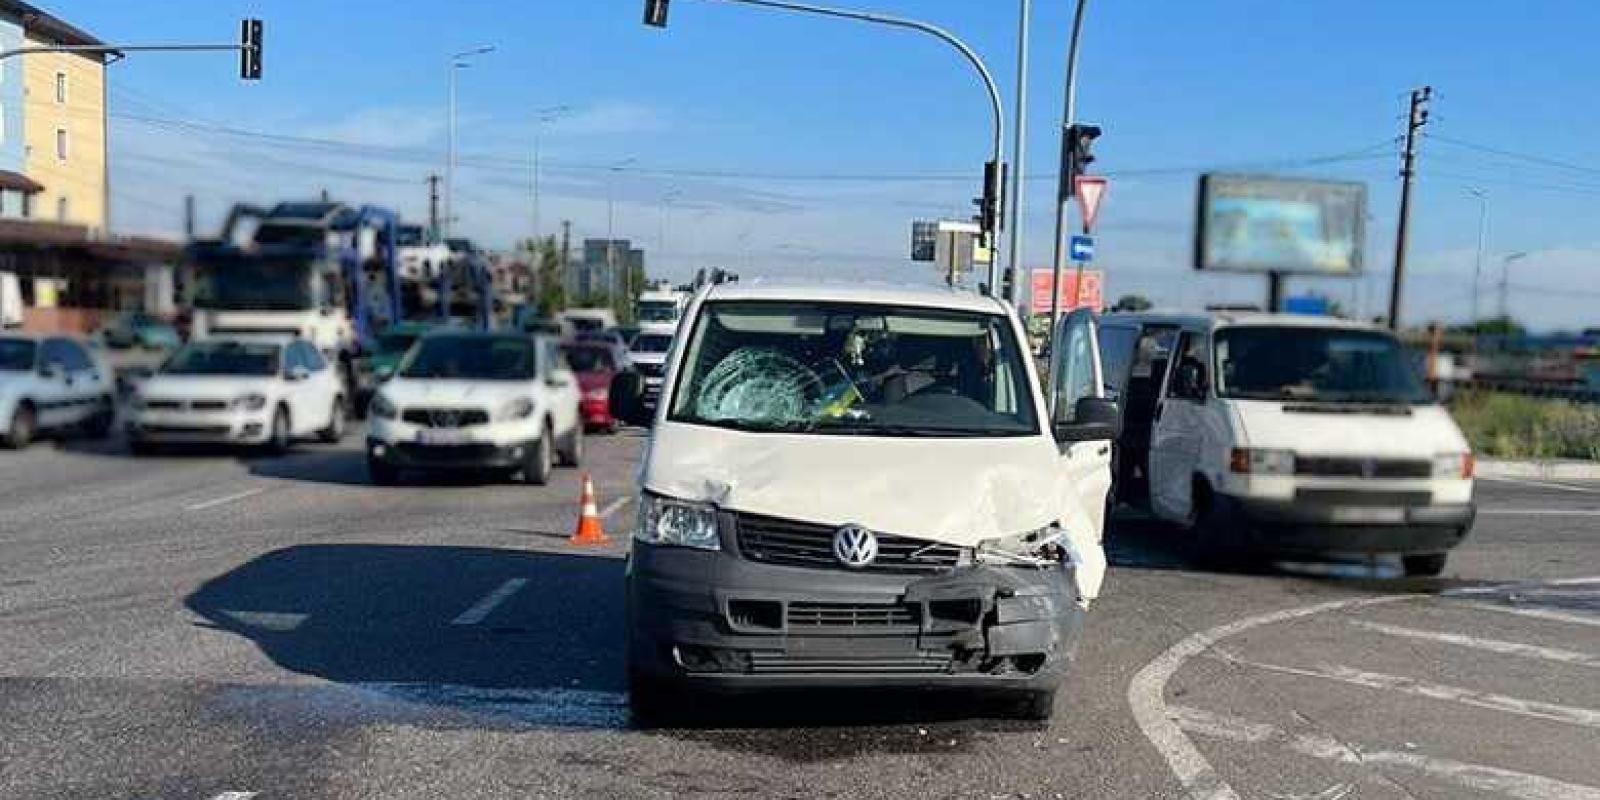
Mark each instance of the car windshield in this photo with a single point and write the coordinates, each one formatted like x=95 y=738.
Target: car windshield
x=850 y=369
x=408 y=236
x=485 y=358
x=397 y=342
x=224 y=358
x=590 y=359
x=269 y=284
x=17 y=355
x=1316 y=364
x=651 y=343
x=658 y=311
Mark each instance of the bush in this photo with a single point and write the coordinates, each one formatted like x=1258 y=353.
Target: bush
x=1515 y=426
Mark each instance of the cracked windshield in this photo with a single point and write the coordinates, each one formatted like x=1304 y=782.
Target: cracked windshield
x=879 y=399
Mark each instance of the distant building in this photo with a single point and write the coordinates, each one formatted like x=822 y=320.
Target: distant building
x=605 y=263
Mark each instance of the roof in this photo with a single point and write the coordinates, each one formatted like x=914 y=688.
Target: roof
x=858 y=292
x=46 y=25
x=1235 y=319
x=18 y=182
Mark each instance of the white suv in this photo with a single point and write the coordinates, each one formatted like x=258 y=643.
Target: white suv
x=466 y=400
x=226 y=391
x=51 y=383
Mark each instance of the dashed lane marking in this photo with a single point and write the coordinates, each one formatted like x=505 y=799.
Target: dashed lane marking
x=1490 y=645
x=483 y=608
x=235 y=796
x=1491 y=780
x=224 y=500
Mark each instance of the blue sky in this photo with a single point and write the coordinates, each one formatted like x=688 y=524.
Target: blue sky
x=748 y=119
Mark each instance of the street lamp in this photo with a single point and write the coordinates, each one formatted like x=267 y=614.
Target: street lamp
x=655 y=15
x=458 y=61
x=1505 y=271
x=1064 y=187
x=541 y=118
x=1483 y=230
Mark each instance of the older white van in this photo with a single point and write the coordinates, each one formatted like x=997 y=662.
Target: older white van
x=849 y=486
x=1287 y=434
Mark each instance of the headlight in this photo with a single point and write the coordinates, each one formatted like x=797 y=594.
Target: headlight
x=675 y=522
x=1256 y=461
x=520 y=408
x=1453 y=465
x=382 y=408
x=250 y=402
x=1040 y=547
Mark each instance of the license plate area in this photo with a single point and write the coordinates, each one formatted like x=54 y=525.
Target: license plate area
x=443 y=437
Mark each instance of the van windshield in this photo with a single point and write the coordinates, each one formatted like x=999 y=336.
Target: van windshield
x=852 y=369
x=1317 y=364
x=17 y=355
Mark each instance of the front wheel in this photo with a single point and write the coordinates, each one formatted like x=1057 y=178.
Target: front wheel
x=536 y=465
x=334 y=433
x=571 y=452
x=1426 y=565
x=382 y=474
x=99 y=426
x=23 y=427
x=279 y=439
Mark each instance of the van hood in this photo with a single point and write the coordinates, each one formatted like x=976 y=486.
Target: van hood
x=955 y=491
x=1408 y=431
x=204 y=387
x=489 y=395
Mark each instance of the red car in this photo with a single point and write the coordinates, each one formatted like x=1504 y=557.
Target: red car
x=595 y=364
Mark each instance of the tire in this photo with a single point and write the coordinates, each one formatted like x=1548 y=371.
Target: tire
x=280 y=439
x=1209 y=542
x=536 y=465
x=571 y=454
x=1036 y=706
x=99 y=426
x=1425 y=565
x=144 y=449
x=382 y=474
x=24 y=425
x=654 y=704
x=334 y=433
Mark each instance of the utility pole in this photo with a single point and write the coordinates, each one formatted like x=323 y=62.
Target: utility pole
x=433 y=206
x=1505 y=286
x=566 y=252
x=188 y=217
x=1019 y=146
x=1064 y=187
x=1408 y=172
x=1483 y=232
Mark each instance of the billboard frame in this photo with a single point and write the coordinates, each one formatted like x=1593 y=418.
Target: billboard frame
x=1204 y=194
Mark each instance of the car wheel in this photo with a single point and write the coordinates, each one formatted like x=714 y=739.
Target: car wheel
x=536 y=467
x=278 y=440
x=382 y=474
x=1209 y=542
x=1426 y=565
x=99 y=426
x=654 y=704
x=143 y=448
x=572 y=453
x=23 y=427
x=334 y=433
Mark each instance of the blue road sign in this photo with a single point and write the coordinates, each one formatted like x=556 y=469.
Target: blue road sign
x=1082 y=248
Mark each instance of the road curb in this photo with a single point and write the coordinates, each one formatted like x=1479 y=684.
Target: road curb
x=1539 y=470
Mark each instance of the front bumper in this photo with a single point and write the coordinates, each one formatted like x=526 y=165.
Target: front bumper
x=466 y=456
x=1290 y=527
x=196 y=427
x=715 y=621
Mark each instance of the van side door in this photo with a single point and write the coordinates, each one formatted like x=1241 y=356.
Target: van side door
x=1179 y=430
x=1078 y=374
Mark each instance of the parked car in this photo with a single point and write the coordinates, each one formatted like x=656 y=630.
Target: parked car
x=648 y=354
x=589 y=319
x=52 y=384
x=1285 y=434
x=863 y=487
x=268 y=393
x=137 y=329
x=595 y=365
x=383 y=355
x=479 y=401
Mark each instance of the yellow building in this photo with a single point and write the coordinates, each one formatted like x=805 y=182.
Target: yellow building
x=64 y=125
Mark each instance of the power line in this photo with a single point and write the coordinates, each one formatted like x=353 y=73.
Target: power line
x=1532 y=159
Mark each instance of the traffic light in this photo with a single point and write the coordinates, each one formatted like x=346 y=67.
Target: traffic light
x=655 y=13
x=1079 y=155
x=250 y=50
x=989 y=210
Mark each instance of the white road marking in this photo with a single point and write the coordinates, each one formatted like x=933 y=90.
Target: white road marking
x=1147 y=689
x=1491 y=645
x=612 y=507
x=228 y=499
x=1540 y=512
x=1501 y=588
x=1491 y=780
x=487 y=605
x=1585 y=717
x=1540 y=613
x=235 y=796
x=1546 y=485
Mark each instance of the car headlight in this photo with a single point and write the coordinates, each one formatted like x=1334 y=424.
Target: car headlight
x=519 y=408
x=382 y=408
x=675 y=522
x=1040 y=547
x=1257 y=461
x=1453 y=465
x=250 y=402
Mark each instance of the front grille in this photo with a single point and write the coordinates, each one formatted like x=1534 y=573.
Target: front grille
x=770 y=540
x=187 y=430
x=163 y=405
x=1356 y=497
x=853 y=615
x=445 y=417
x=774 y=663
x=208 y=405
x=447 y=454
x=1356 y=467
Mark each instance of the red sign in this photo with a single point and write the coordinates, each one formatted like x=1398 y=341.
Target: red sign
x=1089 y=295
x=1089 y=191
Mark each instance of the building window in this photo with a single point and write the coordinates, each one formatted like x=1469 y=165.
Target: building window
x=61 y=87
x=61 y=143
x=61 y=209
x=27 y=206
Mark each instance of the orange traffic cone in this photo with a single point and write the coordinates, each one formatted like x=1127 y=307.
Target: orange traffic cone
x=589 y=531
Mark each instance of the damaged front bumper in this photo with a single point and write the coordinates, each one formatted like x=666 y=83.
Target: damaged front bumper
x=714 y=620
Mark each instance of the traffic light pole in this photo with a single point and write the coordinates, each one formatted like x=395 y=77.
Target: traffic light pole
x=1064 y=182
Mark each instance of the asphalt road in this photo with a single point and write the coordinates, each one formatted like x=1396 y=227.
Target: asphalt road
x=188 y=627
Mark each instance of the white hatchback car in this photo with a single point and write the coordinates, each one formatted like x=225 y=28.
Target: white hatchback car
x=51 y=383
x=248 y=392
x=476 y=401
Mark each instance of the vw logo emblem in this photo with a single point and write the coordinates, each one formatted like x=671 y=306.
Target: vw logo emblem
x=446 y=419
x=855 y=546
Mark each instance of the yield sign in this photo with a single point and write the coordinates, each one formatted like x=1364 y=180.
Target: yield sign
x=1089 y=191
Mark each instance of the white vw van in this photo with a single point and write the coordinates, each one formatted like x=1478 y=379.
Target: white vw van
x=860 y=487
x=1286 y=434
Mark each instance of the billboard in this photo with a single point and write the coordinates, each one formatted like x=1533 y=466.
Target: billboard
x=1261 y=224
x=1091 y=294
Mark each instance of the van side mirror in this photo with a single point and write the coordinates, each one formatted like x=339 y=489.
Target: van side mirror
x=1093 y=419
x=627 y=398
x=1190 y=381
